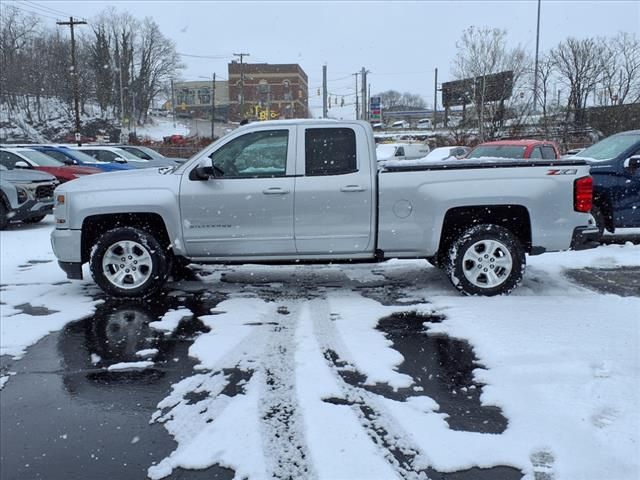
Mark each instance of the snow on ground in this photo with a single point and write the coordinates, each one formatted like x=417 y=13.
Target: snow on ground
x=160 y=127
x=560 y=361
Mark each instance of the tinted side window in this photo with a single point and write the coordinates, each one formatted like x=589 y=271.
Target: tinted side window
x=330 y=151
x=536 y=153
x=57 y=155
x=548 y=152
x=106 y=156
x=9 y=160
x=400 y=152
x=91 y=153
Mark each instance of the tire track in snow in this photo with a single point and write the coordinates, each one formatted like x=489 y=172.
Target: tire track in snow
x=283 y=427
x=394 y=443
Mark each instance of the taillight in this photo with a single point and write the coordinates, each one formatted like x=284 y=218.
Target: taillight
x=583 y=194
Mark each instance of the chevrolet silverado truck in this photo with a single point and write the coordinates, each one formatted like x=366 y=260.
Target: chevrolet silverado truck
x=295 y=191
x=25 y=195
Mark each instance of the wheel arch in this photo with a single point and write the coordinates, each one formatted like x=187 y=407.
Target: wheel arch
x=514 y=218
x=95 y=225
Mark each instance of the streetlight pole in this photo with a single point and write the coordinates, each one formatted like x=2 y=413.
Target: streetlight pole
x=535 y=71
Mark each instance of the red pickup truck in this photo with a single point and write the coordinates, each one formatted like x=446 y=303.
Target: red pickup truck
x=517 y=149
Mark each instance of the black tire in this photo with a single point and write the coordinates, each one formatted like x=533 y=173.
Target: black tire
x=34 y=219
x=144 y=268
x=486 y=260
x=4 y=218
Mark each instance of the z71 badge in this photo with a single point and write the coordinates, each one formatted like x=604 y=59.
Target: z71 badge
x=562 y=171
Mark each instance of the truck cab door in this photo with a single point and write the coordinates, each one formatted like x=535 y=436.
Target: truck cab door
x=245 y=208
x=334 y=191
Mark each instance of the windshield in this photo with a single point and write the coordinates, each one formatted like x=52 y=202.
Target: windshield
x=501 y=151
x=610 y=147
x=41 y=159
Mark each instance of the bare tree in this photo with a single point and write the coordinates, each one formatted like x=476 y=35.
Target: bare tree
x=580 y=66
x=158 y=63
x=482 y=52
x=621 y=69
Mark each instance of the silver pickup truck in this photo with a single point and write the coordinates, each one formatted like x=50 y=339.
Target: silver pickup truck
x=312 y=191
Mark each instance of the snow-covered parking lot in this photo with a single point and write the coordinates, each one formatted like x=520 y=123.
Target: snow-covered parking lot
x=331 y=372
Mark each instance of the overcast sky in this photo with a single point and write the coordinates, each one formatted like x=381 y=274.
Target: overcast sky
x=399 y=42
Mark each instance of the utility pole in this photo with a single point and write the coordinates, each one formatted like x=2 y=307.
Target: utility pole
x=173 y=100
x=76 y=101
x=535 y=71
x=241 y=55
x=213 y=104
x=435 y=100
x=325 y=112
x=357 y=99
x=364 y=92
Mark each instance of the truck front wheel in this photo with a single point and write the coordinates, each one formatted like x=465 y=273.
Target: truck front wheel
x=129 y=262
x=486 y=260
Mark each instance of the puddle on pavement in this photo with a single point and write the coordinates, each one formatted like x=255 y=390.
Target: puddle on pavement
x=64 y=415
x=623 y=281
x=442 y=369
x=35 y=311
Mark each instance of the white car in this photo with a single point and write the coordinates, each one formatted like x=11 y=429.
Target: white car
x=444 y=153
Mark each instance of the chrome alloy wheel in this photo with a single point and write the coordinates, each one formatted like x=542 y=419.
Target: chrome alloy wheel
x=127 y=264
x=487 y=263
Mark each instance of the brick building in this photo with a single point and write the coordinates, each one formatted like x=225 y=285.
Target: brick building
x=270 y=91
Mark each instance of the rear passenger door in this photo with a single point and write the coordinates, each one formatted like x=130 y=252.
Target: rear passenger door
x=334 y=197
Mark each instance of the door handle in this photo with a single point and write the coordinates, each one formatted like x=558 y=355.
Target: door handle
x=275 y=191
x=352 y=188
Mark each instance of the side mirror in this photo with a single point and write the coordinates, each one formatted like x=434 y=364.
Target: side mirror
x=205 y=170
x=22 y=164
x=632 y=163
x=120 y=160
x=68 y=161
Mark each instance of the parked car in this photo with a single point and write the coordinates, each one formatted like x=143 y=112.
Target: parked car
x=444 y=153
x=615 y=168
x=424 y=124
x=25 y=195
x=255 y=196
x=400 y=124
x=146 y=153
x=516 y=149
x=106 y=153
x=32 y=159
x=69 y=156
x=401 y=151
x=572 y=152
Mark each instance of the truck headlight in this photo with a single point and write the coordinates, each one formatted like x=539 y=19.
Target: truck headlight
x=23 y=195
x=60 y=209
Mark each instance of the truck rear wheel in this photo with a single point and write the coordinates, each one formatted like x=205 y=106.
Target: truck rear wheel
x=486 y=260
x=129 y=262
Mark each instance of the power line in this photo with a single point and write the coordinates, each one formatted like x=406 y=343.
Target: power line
x=34 y=12
x=210 y=57
x=46 y=9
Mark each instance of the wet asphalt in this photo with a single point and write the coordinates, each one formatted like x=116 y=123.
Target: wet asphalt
x=64 y=415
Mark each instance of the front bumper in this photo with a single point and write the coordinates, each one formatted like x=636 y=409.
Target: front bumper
x=584 y=238
x=67 y=244
x=32 y=209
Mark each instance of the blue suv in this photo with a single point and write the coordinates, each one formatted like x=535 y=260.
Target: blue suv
x=615 y=168
x=75 y=157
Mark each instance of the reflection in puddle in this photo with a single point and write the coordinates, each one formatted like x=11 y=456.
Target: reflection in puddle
x=67 y=416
